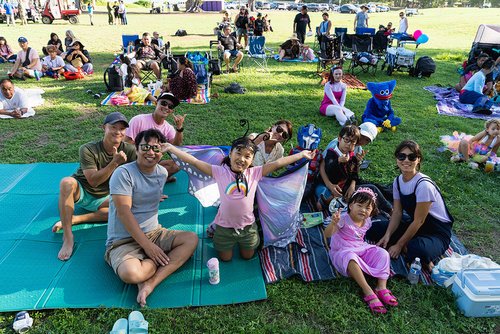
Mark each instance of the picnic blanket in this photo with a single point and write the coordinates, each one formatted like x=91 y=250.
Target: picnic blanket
x=295 y=60
x=33 y=278
x=448 y=104
x=34 y=97
x=308 y=257
x=202 y=97
x=349 y=79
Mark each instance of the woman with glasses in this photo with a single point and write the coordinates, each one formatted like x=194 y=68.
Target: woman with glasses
x=427 y=233
x=269 y=143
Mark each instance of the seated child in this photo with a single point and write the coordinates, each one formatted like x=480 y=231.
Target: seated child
x=52 y=65
x=481 y=148
x=473 y=91
x=334 y=99
x=339 y=169
x=237 y=182
x=133 y=87
x=352 y=256
x=472 y=68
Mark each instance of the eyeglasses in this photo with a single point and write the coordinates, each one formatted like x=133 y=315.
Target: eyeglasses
x=165 y=103
x=402 y=156
x=282 y=132
x=348 y=140
x=147 y=147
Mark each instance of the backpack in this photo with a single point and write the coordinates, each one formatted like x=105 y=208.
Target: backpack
x=112 y=79
x=424 y=68
x=181 y=32
x=27 y=61
x=214 y=66
x=309 y=137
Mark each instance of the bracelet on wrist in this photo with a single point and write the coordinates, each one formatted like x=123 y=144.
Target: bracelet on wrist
x=179 y=129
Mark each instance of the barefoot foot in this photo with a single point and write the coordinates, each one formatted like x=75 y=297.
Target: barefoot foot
x=66 y=249
x=144 y=291
x=57 y=227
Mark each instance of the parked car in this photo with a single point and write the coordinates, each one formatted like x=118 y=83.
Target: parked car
x=273 y=5
x=232 y=5
x=324 y=7
x=312 y=7
x=348 y=9
x=411 y=11
x=333 y=7
x=281 y=6
x=292 y=6
x=383 y=8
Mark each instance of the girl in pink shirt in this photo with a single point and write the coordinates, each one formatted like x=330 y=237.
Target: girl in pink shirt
x=237 y=182
x=334 y=99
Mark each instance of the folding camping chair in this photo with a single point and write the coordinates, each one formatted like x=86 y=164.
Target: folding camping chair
x=330 y=53
x=362 y=55
x=214 y=44
x=126 y=39
x=258 y=52
x=201 y=68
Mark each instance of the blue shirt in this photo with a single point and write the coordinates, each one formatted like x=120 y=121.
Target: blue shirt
x=361 y=20
x=90 y=9
x=8 y=8
x=476 y=83
x=323 y=27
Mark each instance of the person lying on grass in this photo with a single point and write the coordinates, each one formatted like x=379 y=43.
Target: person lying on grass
x=237 y=182
x=138 y=248
x=352 y=256
x=13 y=101
x=88 y=187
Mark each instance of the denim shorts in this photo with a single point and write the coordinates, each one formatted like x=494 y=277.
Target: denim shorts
x=233 y=53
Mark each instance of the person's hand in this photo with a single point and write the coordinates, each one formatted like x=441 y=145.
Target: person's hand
x=16 y=113
x=119 y=157
x=336 y=217
x=163 y=197
x=361 y=155
x=179 y=120
x=349 y=192
x=384 y=241
x=335 y=190
x=394 y=251
x=156 y=254
x=344 y=158
x=308 y=154
x=165 y=147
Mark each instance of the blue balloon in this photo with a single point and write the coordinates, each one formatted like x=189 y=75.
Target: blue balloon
x=423 y=39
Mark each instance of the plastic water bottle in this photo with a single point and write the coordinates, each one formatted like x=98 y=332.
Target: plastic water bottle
x=414 y=274
x=213 y=271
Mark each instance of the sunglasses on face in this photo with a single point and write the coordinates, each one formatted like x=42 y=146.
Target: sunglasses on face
x=402 y=156
x=282 y=132
x=167 y=104
x=147 y=147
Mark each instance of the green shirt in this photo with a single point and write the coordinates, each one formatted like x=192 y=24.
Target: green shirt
x=94 y=156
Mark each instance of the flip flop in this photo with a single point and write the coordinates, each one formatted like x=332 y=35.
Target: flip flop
x=120 y=327
x=386 y=296
x=136 y=323
x=375 y=307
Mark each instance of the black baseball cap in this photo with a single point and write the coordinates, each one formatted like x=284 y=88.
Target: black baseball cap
x=115 y=117
x=170 y=97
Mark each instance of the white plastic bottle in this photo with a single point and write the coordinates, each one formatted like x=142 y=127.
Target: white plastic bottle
x=415 y=269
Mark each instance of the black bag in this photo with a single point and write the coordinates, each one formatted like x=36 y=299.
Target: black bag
x=214 y=66
x=27 y=61
x=181 y=32
x=424 y=68
x=235 y=88
x=112 y=79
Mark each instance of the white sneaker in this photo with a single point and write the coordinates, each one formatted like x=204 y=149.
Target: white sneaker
x=473 y=165
x=455 y=158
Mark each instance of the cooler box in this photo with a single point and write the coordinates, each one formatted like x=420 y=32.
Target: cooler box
x=478 y=292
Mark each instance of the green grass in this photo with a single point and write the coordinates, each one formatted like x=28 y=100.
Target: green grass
x=70 y=117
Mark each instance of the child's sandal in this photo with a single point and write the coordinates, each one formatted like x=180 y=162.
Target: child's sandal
x=376 y=306
x=386 y=296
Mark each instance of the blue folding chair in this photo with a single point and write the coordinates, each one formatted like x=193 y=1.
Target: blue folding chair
x=201 y=69
x=258 y=52
x=126 y=39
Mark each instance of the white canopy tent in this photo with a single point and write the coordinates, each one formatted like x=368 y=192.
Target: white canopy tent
x=488 y=34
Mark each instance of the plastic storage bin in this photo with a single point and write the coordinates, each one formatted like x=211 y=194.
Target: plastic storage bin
x=478 y=292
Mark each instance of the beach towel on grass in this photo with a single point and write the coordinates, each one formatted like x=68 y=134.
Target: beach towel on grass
x=314 y=263
x=448 y=104
x=296 y=60
x=350 y=80
x=202 y=97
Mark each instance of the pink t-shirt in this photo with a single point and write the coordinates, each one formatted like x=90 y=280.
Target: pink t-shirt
x=144 y=122
x=32 y=56
x=236 y=209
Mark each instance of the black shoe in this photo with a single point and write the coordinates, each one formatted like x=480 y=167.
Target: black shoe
x=481 y=111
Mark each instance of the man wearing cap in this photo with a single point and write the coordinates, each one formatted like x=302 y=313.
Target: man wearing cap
x=88 y=187
x=149 y=55
x=361 y=19
x=27 y=63
x=138 y=248
x=165 y=105
x=230 y=46
x=13 y=101
x=301 y=21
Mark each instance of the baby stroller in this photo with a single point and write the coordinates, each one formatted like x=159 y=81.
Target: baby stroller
x=399 y=58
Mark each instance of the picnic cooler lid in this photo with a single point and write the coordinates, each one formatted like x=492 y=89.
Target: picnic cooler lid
x=483 y=282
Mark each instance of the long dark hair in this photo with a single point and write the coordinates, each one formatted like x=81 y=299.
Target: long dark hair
x=52 y=37
x=186 y=62
x=333 y=69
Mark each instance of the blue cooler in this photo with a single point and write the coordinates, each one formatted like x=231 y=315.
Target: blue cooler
x=478 y=292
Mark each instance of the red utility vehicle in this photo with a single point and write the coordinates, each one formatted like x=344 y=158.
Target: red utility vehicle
x=61 y=10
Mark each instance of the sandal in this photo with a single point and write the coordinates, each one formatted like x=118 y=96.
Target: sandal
x=386 y=296
x=136 y=323
x=120 y=327
x=376 y=306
